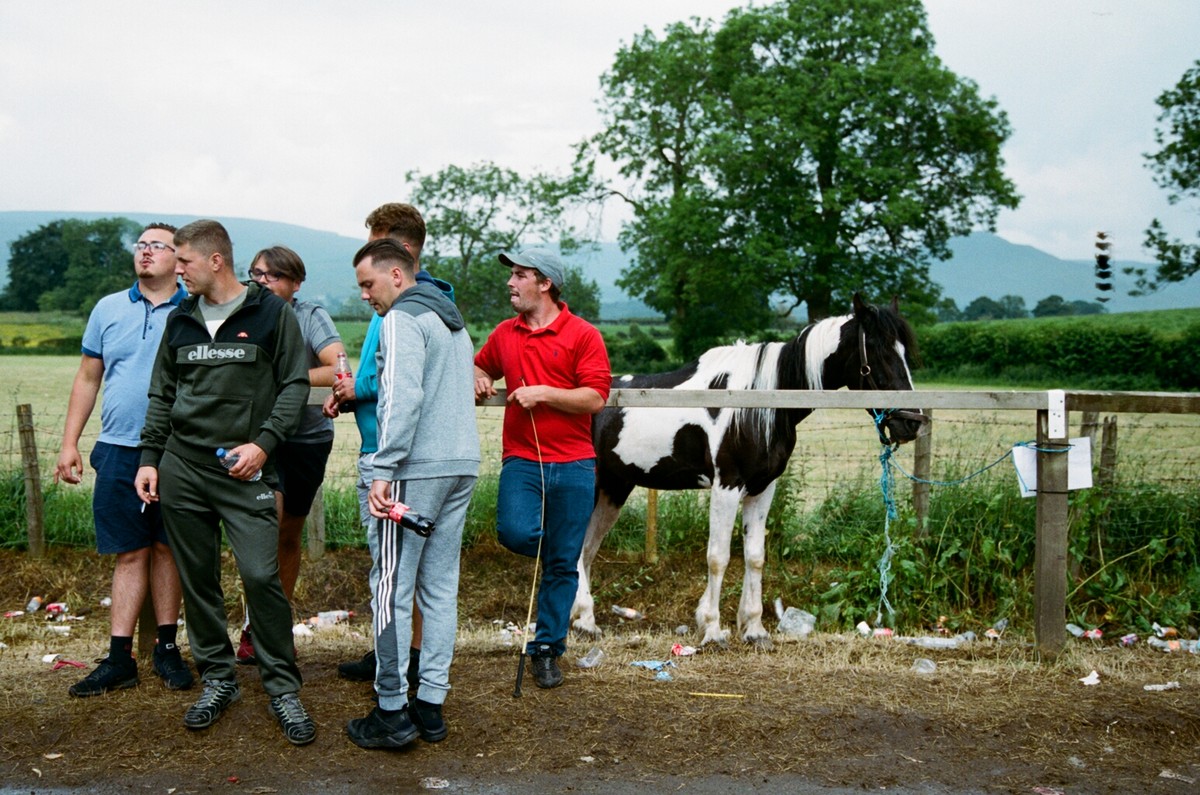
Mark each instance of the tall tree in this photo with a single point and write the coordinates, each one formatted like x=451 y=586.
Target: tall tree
x=37 y=262
x=821 y=145
x=659 y=108
x=70 y=264
x=474 y=213
x=1176 y=167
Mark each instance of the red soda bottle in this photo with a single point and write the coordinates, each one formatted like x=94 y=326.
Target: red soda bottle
x=404 y=516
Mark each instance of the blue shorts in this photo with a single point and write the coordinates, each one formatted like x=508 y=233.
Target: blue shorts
x=121 y=525
x=300 y=467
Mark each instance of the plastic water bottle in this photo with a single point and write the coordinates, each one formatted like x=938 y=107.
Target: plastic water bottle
x=591 y=659
x=228 y=460
x=404 y=516
x=342 y=371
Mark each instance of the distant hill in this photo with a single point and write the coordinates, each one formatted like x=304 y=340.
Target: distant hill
x=983 y=264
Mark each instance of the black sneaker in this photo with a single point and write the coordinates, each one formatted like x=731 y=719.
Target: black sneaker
x=107 y=676
x=377 y=731
x=428 y=720
x=169 y=665
x=297 y=726
x=359 y=670
x=217 y=696
x=546 y=672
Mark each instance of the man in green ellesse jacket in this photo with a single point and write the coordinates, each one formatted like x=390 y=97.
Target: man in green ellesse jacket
x=230 y=373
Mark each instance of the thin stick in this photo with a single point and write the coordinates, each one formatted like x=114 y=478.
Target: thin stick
x=537 y=561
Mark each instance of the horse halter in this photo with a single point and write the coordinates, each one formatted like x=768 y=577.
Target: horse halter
x=867 y=381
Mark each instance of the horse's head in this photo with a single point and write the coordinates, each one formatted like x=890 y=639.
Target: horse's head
x=876 y=347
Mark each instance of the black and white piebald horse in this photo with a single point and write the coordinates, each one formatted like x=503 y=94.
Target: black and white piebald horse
x=738 y=453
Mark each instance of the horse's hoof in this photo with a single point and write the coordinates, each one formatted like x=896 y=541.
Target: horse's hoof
x=718 y=642
x=590 y=631
x=760 y=642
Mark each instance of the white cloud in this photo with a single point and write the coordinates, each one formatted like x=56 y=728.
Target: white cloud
x=312 y=112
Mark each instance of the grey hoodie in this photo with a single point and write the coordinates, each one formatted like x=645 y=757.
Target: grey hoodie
x=426 y=406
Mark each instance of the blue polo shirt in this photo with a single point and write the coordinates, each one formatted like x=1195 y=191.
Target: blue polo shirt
x=123 y=331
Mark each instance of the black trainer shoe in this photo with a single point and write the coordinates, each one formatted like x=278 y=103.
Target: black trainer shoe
x=428 y=720
x=107 y=676
x=170 y=667
x=359 y=670
x=297 y=726
x=376 y=731
x=546 y=672
x=217 y=696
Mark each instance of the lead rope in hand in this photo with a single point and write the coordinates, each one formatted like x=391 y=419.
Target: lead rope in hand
x=537 y=561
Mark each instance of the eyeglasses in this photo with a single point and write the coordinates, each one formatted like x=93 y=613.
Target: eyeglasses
x=154 y=245
x=270 y=277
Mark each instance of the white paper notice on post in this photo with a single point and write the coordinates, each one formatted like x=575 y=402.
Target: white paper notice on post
x=1079 y=466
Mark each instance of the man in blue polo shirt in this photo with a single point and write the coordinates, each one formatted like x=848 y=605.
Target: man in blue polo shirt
x=119 y=346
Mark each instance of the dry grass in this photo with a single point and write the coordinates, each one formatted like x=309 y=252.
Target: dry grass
x=828 y=710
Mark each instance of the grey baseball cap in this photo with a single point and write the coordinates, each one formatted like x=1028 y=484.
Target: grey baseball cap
x=540 y=259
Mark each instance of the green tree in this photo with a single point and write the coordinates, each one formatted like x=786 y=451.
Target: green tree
x=808 y=148
x=1052 y=306
x=70 y=264
x=475 y=213
x=947 y=311
x=1176 y=167
x=37 y=262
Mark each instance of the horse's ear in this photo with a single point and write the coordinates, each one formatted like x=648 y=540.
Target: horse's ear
x=861 y=307
x=896 y=304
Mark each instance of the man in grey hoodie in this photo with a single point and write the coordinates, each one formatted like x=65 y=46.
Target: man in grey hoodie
x=428 y=460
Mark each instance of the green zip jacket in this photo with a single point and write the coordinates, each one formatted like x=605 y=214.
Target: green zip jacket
x=248 y=384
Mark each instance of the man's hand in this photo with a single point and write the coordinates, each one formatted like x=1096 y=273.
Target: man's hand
x=378 y=499
x=146 y=484
x=70 y=465
x=330 y=407
x=343 y=390
x=529 y=396
x=250 y=460
x=484 y=388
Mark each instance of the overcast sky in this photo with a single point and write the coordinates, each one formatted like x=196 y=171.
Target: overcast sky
x=311 y=112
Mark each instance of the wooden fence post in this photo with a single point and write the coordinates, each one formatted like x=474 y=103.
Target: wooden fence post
x=147 y=628
x=1088 y=427
x=1050 y=551
x=315 y=525
x=1106 y=475
x=33 y=482
x=922 y=470
x=651 y=554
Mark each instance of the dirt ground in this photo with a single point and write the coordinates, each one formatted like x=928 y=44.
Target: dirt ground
x=827 y=714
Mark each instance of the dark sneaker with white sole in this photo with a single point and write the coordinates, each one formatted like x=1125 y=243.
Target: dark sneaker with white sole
x=378 y=730
x=297 y=726
x=217 y=696
x=170 y=667
x=107 y=676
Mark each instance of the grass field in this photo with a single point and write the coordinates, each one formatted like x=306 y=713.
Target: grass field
x=834 y=445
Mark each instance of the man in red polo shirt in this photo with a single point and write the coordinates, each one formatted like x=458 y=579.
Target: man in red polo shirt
x=555 y=367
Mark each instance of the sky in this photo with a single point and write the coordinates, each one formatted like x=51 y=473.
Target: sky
x=312 y=112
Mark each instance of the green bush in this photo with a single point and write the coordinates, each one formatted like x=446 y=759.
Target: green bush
x=1086 y=351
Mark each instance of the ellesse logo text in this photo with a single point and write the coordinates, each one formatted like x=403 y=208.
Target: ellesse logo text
x=206 y=352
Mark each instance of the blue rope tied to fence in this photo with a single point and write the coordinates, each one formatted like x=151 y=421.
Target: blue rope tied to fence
x=889 y=548
x=887 y=486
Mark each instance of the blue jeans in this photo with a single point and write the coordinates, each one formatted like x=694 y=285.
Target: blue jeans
x=569 y=498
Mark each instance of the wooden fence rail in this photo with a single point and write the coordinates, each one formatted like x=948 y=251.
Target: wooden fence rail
x=1051 y=409
x=1051 y=422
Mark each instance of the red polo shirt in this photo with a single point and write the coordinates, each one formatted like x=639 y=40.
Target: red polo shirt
x=567 y=354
